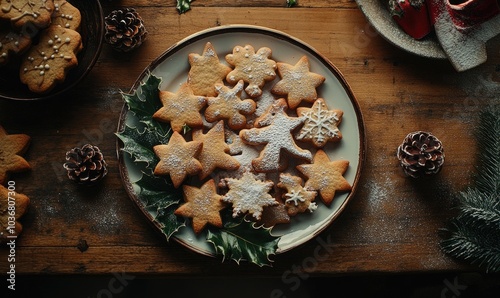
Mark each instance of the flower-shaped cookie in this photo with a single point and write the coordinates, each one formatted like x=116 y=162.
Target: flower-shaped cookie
x=297 y=198
x=253 y=68
x=22 y=12
x=9 y=224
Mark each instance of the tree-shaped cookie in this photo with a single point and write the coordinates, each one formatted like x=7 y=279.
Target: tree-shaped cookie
x=178 y=158
x=274 y=129
x=325 y=176
x=320 y=124
x=214 y=152
x=202 y=205
x=297 y=82
x=13 y=206
x=297 y=198
x=11 y=148
x=181 y=108
x=229 y=106
x=248 y=194
x=206 y=71
x=254 y=68
x=22 y=12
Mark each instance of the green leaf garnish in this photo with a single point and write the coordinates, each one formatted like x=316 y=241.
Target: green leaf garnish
x=183 y=5
x=243 y=241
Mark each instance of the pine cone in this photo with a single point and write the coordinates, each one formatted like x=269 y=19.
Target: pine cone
x=85 y=165
x=125 y=29
x=421 y=154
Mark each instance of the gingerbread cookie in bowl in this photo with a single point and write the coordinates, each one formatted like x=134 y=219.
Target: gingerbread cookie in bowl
x=46 y=64
x=20 y=13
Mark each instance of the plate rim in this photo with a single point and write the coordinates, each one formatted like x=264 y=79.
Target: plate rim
x=232 y=28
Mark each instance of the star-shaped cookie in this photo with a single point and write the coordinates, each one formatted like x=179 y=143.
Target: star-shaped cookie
x=203 y=206
x=11 y=148
x=320 y=124
x=274 y=129
x=9 y=222
x=229 y=106
x=214 y=152
x=297 y=82
x=181 y=108
x=297 y=198
x=206 y=71
x=254 y=68
x=178 y=158
x=325 y=176
x=249 y=195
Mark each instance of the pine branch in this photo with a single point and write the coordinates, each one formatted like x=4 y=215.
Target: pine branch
x=474 y=235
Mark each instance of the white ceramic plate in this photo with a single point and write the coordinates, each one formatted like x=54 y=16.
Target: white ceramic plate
x=379 y=17
x=172 y=66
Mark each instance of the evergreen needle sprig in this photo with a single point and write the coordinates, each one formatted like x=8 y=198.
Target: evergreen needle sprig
x=474 y=234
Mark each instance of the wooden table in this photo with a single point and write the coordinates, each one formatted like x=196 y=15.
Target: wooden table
x=392 y=223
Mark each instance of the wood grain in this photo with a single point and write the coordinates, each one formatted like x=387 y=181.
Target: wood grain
x=392 y=223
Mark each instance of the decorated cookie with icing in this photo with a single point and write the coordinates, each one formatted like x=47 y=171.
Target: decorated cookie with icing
x=66 y=15
x=202 y=205
x=229 y=106
x=274 y=129
x=320 y=124
x=297 y=198
x=27 y=13
x=325 y=176
x=12 y=44
x=249 y=195
x=297 y=82
x=46 y=64
x=254 y=68
x=206 y=71
x=181 y=108
x=178 y=159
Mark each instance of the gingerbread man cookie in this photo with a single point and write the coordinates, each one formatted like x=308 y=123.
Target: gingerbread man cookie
x=206 y=71
x=274 y=129
x=253 y=68
x=297 y=82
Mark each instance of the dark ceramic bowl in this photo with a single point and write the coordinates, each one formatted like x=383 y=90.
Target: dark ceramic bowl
x=92 y=32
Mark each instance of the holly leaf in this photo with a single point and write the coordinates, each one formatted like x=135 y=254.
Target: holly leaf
x=244 y=241
x=137 y=145
x=290 y=3
x=144 y=102
x=183 y=5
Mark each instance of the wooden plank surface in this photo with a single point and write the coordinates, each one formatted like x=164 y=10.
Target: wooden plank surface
x=391 y=224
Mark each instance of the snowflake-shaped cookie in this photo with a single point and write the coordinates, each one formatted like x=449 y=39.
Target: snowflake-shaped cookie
x=297 y=82
x=274 y=129
x=297 y=198
x=249 y=195
x=253 y=68
x=203 y=206
x=229 y=106
x=181 y=108
x=320 y=124
x=325 y=176
x=206 y=71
